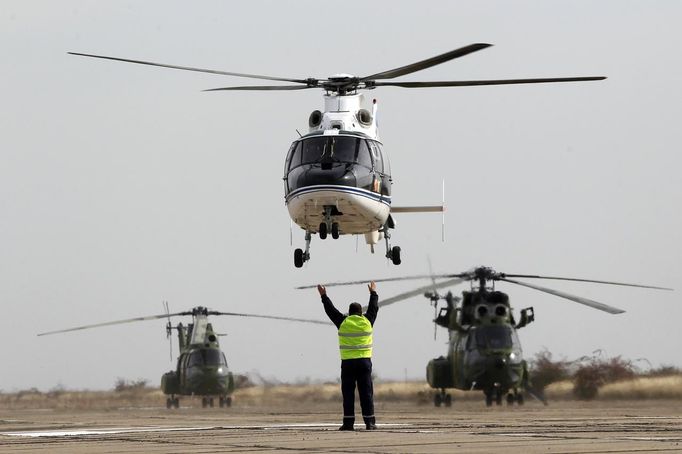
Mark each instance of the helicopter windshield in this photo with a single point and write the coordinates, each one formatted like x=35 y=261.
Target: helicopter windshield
x=345 y=149
x=494 y=336
x=208 y=357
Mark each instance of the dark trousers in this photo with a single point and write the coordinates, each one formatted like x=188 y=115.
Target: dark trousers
x=357 y=371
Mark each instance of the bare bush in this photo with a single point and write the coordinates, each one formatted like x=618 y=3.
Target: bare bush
x=545 y=371
x=591 y=376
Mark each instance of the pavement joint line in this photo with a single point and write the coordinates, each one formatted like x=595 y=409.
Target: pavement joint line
x=122 y=430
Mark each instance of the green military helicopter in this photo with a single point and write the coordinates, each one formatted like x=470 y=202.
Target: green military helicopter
x=484 y=351
x=201 y=367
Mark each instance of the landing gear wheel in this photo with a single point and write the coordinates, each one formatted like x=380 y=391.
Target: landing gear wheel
x=498 y=398
x=210 y=402
x=448 y=400
x=437 y=400
x=488 y=400
x=335 y=230
x=228 y=401
x=176 y=402
x=298 y=258
x=204 y=402
x=395 y=255
x=510 y=399
x=221 y=402
x=519 y=399
x=169 y=403
x=323 y=231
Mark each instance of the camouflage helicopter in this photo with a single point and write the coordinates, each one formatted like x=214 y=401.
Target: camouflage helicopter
x=484 y=351
x=201 y=368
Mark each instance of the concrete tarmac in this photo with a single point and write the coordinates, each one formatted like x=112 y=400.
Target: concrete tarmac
x=468 y=427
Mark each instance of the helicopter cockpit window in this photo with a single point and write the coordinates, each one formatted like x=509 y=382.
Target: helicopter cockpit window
x=364 y=159
x=210 y=357
x=494 y=336
x=294 y=159
x=314 y=150
x=344 y=149
x=376 y=156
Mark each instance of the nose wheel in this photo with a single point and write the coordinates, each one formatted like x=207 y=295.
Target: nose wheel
x=301 y=256
x=328 y=225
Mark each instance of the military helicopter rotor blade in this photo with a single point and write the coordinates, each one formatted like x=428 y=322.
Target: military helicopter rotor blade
x=262 y=88
x=533 y=276
x=469 y=83
x=568 y=296
x=428 y=63
x=420 y=291
x=272 y=317
x=116 y=322
x=388 y=279
x=201 y=70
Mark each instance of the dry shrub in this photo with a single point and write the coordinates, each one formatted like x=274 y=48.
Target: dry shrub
x=591 y=376
x=545 y=371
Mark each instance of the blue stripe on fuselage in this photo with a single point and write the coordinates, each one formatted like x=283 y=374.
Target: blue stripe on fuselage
x=386 y=199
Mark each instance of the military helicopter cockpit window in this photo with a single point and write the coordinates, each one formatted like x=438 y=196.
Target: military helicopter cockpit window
x=210 y=357
x=494 y=337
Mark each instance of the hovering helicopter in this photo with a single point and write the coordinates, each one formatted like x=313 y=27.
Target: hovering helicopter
x=484 y=351
x=337 y=177
x=201 y=367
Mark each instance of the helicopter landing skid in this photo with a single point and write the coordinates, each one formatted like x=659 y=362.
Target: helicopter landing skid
x=392 y=253
x=300 y=256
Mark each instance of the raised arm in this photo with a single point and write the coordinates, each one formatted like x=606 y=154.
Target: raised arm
x=373 y=306
x=334 y=315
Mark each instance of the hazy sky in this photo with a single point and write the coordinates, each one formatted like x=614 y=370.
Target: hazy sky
x=123 y=185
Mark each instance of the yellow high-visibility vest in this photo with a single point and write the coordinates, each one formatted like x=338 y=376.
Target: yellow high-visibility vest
x=355 y=337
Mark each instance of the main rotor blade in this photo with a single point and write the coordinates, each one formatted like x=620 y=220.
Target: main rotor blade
x=273 y=317
x=388 y=279
x=532 y=276
x=429 y=62
x=189 y=68
x=419 y=291
x=117 y=322
x=568 y=296
x=263 y=87
x=467 y=83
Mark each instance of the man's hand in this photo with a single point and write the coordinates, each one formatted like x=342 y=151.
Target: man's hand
x=372 y=286
x=321 y=289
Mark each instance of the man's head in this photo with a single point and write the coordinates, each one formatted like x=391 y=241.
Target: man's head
x=354 y=309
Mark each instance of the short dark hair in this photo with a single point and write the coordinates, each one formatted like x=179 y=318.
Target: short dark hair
x=354 y=309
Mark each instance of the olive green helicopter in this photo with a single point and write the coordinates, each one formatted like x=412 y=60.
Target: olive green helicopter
x=484 y=351
x=201 y=368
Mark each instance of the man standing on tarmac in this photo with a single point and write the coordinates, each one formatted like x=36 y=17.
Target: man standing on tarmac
x=355 y=345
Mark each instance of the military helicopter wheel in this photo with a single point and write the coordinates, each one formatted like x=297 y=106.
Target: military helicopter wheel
x=169 y=403
x=448 y=400
x=519 y=399
x=335 y=230
x=323 y=231
x=395 y=255
x=498 y=398
x=298 y=258
x=210 y=402
x=204 y=402
x=510 y=399
x=176 y=402
x=488 y=400
x=437 y=400
x=228 y=401
x=221 y=402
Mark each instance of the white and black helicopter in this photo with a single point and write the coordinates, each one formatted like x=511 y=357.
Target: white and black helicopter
x=337 y=177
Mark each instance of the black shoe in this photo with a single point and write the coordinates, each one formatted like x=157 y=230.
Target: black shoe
x=346 y=427
x=371 y=427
